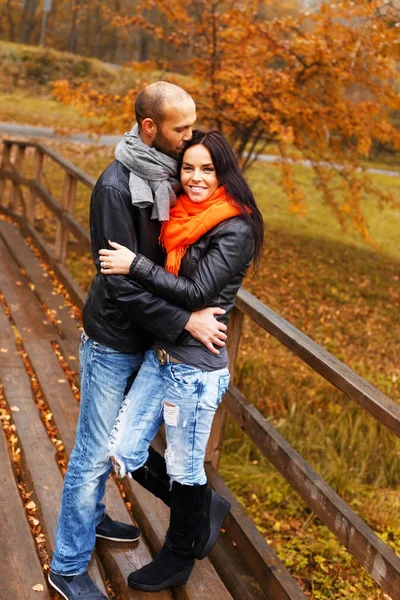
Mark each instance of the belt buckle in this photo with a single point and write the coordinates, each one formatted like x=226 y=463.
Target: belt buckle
x=161 y=356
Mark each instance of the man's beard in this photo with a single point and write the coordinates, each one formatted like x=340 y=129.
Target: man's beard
x=161 y=144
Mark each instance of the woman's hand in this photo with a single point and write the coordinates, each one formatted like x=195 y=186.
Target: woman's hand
x=116 y=262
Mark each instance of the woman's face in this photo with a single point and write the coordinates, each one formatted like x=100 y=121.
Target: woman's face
x=198 y=177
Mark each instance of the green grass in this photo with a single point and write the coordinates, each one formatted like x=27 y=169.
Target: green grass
x=318 y=222
x=24 y=108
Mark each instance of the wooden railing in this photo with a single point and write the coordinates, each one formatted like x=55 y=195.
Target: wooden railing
x=368 y=549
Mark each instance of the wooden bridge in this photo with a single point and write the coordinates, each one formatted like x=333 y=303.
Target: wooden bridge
x=39 y=375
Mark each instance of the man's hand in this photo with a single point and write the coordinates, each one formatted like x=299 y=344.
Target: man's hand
x=203 y=326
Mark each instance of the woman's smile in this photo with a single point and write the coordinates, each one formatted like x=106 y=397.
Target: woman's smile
x=198 y=177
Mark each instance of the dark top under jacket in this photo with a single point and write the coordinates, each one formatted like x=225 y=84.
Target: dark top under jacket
x=119 y=312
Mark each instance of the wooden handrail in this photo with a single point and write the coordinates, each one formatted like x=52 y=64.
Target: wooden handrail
x=383 y=408
x=368 y=549
x=63 y=162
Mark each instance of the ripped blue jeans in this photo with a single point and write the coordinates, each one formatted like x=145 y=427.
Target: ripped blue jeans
x=185 y=399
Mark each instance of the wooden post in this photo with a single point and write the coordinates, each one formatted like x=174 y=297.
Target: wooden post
x=37 y=175
x=15 y=189
x=5 y=165
x=67 y=202
x=214 y=447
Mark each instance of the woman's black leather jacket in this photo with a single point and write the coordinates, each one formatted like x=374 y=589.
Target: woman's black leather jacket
x=211 y=271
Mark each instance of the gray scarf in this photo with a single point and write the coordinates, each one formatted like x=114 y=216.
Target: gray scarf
x=153 y=179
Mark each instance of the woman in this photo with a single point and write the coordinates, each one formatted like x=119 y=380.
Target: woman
x=213 y=234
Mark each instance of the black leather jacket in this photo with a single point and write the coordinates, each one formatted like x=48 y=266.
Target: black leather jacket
x=211 y=271
x=119 y=312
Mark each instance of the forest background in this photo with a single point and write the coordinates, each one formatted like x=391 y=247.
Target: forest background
x=305 y=81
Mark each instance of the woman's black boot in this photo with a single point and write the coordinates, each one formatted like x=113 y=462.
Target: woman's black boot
x=175 y=562
x=153 y=477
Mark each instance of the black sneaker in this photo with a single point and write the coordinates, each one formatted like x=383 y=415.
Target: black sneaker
x=116 y=531
x=77 y=587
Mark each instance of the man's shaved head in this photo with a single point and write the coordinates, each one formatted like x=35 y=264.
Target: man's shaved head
x=152 y=101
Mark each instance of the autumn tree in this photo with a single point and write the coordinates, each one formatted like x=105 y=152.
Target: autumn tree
x=318 y=86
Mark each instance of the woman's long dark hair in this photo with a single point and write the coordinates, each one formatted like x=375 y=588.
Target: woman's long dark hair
x=230 y=176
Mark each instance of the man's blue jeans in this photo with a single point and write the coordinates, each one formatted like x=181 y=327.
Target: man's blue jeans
x=183 y=397
x=105 y=378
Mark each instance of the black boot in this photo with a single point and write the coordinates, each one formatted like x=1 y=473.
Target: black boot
x=153 y=477
x=175 y=562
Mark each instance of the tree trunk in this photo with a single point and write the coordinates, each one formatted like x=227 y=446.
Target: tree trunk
x=73 y=34
x=28 y=20
x=11 y=23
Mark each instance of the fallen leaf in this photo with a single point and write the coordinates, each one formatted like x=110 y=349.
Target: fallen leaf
x=4 y=350
x=32 y=286
x=61 y=380
x=38 y=587
x=15 y=408
x=31 y=505
x=295 y=523
x=40 y=538
x=277 y=526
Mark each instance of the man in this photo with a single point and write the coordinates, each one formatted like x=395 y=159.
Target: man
x=120 y=321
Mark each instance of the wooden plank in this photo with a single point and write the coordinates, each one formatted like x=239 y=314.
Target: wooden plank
x=214 y=446
x=234 y=573
x=21 y=299
x=20 y=566
x=68 y=328
x=367 y=548
x=342 y=377
x=5 y=165
x=31 y=198
x=67 y=203
x=271 y=574
x=38 y=455
x=15 y=189
x=78 y=297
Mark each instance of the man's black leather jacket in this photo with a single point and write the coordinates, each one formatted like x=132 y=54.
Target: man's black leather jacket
x=211 y=271
x=119 y=312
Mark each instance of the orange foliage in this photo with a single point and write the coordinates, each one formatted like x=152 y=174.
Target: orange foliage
x=319 y=86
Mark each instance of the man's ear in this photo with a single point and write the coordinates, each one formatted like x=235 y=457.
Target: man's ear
x=149 y=127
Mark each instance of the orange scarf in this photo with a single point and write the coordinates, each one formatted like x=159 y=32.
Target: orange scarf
x=189 y=221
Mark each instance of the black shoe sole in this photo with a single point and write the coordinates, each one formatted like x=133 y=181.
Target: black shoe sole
x=179 y=579
x=217 y=516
